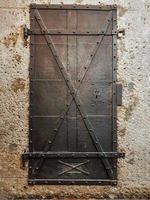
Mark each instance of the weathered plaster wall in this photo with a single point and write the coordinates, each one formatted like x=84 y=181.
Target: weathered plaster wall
x=133 y=117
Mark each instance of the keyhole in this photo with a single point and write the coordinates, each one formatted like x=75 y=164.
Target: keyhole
x=97 y=93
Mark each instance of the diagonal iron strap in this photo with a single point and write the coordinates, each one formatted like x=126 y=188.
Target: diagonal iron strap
x=83 y=73
x=86 y=67
x=75 y=98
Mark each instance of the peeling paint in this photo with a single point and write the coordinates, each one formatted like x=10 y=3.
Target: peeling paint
x=130 y=108
x=10 y=40
x=122 y=11
x=79 y=1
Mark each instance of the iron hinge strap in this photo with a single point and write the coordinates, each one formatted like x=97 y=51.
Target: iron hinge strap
x=32 y=155
x=26 y=32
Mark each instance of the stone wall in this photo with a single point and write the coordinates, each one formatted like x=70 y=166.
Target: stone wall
x=133 y=116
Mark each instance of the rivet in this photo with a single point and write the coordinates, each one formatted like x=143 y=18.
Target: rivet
x=79 y=80
x=30 y=142
x=49 y=142
x=91 y=55
x=36 y=168
x=39 y=19
x=31 y=129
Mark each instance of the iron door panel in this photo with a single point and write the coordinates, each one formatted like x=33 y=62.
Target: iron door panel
x=72 y=94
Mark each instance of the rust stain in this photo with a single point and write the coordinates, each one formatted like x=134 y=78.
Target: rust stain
x=17 y=58
x=122 y=10
x=18 y=84
x=11 y=39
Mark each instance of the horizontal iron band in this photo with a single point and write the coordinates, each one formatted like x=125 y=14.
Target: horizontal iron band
x=31 y=155
x=69 y=32
x=72 y=181
x=73 y=7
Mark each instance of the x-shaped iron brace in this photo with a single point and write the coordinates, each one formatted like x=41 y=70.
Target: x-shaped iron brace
x=73 y=167
x=73 y=92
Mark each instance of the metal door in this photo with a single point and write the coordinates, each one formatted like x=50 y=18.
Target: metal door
x=73 y=95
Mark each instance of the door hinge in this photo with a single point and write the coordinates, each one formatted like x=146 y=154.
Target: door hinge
x=24 y=160
x=26 y=31
x=119 y=94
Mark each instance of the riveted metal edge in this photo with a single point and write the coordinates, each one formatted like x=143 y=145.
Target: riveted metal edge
x=114 y=77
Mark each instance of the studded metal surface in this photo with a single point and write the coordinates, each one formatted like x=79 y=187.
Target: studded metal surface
x=73 y=95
